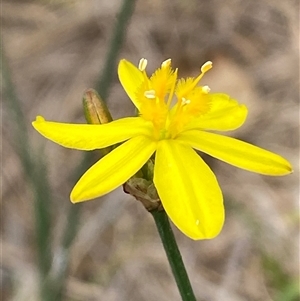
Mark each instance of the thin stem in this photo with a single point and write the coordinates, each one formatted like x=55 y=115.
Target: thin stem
x=173 y=254
x=36 y=172
x=116 y=42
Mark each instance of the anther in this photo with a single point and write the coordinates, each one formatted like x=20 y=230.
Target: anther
x=166 y=63
x=150 y=94
x=184 y=101
x=143 y=64
x=205 y=89
x=207 y=66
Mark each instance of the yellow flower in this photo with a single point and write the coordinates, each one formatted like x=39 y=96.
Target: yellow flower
x=175 y=117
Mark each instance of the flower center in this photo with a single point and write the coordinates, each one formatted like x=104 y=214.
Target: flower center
x=158 y=93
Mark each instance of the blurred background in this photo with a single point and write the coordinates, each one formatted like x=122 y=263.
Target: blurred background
x=109 y=249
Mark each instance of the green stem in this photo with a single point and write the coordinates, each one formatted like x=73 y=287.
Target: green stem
x=35 y=172
x=115 y=47
x=173 y=254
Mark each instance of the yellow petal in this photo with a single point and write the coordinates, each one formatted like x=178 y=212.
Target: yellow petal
x=237 y=153
x=92 y=136
x=114 y=169
x=131 y=78
x=225 y=114
x=189 y=190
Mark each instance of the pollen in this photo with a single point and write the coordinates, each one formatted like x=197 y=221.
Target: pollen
x=206 y=66
x=143 y=64
x=166 y=63
x=185 y=102
x=150 y=94
x=205 y=89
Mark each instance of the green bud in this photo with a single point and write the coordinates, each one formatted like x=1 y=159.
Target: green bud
x=95 y=109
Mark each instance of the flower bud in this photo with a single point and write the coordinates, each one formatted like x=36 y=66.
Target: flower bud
x=95 y=109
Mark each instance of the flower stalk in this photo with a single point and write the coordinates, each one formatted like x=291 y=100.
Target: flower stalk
x=173 y=254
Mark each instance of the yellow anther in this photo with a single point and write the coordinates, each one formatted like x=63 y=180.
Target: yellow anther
x=166 y=63
x=143 y=64
x=205 y=89
x=150 y=94
x=184 y=101
x=207 y=66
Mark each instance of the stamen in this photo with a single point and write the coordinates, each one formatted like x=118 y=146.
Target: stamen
x=143 y=64
x=205 y=89
x=166 y=63
x=150 y=94
x=172 y=89
x=207 y=66
x=189 y=86
x=184 y=101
